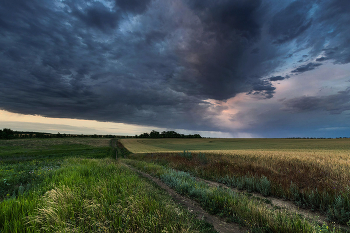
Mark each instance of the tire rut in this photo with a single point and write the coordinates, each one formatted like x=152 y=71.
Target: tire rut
x=194 y=207
x=281 y=204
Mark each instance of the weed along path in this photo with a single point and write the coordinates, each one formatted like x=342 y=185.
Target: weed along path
x=275 y=203
x=194 y=207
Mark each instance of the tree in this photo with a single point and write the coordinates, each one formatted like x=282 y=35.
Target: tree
x=7 y=134
x=144 y=135
x=154 y=134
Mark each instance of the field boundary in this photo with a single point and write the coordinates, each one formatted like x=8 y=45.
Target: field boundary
x=193 y=206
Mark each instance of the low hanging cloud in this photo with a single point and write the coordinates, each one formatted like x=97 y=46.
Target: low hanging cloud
x=333 y=104
x=277 y=78
x=263 y=88
x=157 y=62
x=307 y=67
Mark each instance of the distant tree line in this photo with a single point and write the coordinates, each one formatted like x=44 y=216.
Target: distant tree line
x=10 y=134
x=166 y=134
x=6 y=134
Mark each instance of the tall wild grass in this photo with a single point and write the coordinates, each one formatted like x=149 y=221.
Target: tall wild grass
x=310 y=183
x=64 y=188
x=235 y=206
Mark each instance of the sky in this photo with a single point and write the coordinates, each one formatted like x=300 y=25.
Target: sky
x=221 y=68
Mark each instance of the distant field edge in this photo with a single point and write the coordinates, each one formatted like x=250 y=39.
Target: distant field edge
x=142 y=145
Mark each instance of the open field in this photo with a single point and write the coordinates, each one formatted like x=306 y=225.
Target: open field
x=76 y=185
x=141 y=145
x=313 y=173
x=50 y=185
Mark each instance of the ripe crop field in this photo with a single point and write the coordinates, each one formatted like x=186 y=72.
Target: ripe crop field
x=313 y=173
x=76 y=185
x=141 y=145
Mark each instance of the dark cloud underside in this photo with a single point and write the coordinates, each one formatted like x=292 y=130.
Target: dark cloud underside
x=334 y=104
x=276 y=78
x=291 y=22
x=134 y=6
x=157 y=62
x=307 y=67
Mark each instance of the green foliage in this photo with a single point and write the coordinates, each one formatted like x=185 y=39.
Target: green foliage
x=264 y=186
x=252 y=184
x=202 y=158
x=166 y=134
x=186 y=154
x=337 y=208
x=6 y=134
x=338 y=211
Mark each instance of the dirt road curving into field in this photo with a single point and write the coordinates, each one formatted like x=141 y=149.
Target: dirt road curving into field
x=194 y=207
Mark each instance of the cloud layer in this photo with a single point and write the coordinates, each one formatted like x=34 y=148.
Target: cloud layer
x=158 y=62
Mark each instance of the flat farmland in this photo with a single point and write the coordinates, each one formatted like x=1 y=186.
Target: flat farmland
x=141 y=145
x=312 y=173
x=77 y=185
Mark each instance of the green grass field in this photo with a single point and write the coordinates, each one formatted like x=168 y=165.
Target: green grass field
x=76 y=185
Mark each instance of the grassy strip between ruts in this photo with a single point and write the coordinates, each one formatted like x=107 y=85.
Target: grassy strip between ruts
x=95 y=195
x=236 y=207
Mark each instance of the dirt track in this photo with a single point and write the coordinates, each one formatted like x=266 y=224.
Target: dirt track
x=194 y=207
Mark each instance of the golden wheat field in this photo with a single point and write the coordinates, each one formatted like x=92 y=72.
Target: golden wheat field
x=311 y=163
x=331 y=154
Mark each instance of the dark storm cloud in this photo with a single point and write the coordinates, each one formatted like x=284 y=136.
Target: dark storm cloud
x=98 y=16
x=290 y=22
x=321 y=59
x=334 y=104
x=307 y=67
x=321 y=26
x=60 y=65
x=256 y=50
x=157 y=62
x=277 y=78
x=220 y=60
x=227 y=17
x=331 y=35
x=340 y=56
x=263 y=88
x=134 y=6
